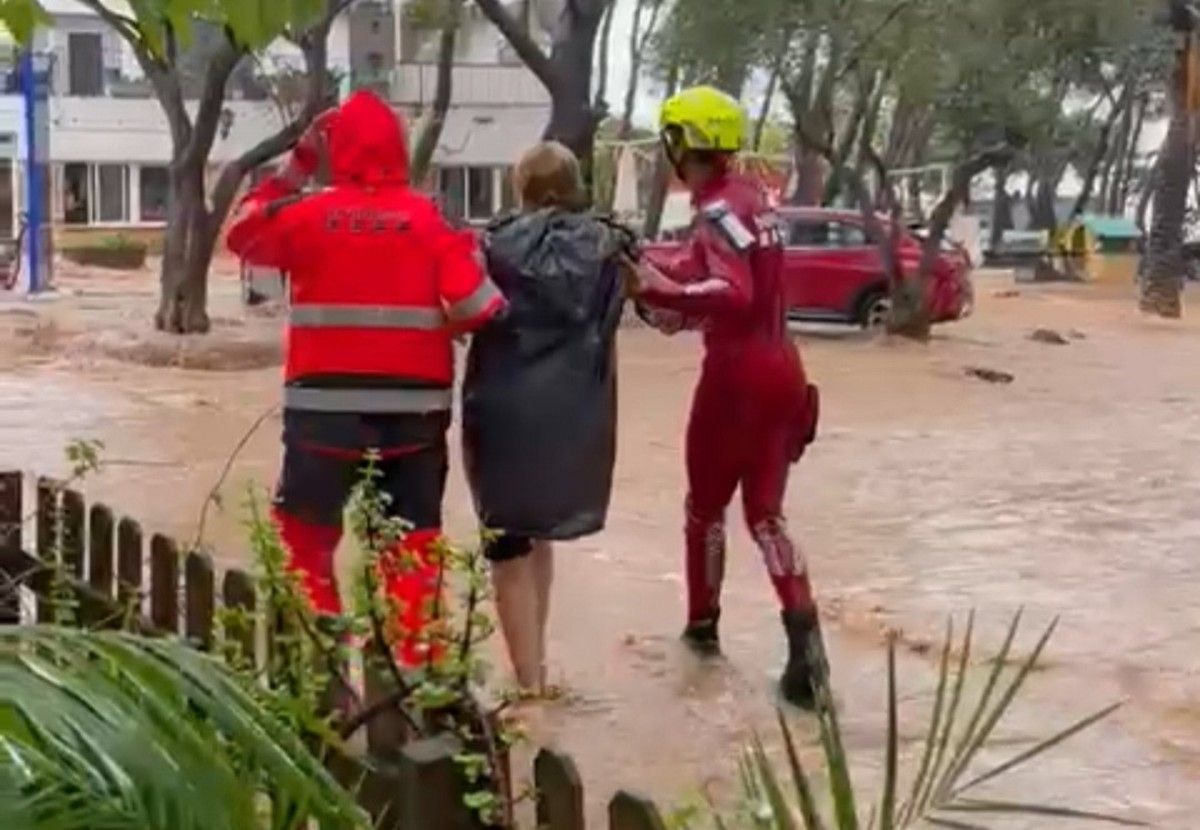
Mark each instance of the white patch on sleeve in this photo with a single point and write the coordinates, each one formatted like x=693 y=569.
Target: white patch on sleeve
x=734 y=230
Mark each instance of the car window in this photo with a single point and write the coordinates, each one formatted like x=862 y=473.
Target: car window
x=809 y=233
x=846 y=235
x=818 y=233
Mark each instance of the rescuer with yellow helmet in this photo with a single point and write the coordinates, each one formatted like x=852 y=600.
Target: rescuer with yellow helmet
x=754 y=412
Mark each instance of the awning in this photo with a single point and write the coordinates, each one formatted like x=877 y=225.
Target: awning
x=487 y=136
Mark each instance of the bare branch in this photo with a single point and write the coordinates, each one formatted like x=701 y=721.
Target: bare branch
x=125 y=26
x=431 y=132
x=603 y=48
x=861 y=47
x=651 y=25
x=519 y=38
x=316 y=57
x=166 y=85
x=212 y=101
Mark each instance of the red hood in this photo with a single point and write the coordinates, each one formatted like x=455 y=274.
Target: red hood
x=367 y=144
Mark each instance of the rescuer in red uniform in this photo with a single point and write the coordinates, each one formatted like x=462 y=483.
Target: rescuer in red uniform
x=379 y=288
x=754 y=412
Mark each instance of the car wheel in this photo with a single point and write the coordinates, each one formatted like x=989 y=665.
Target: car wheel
x=876 y=309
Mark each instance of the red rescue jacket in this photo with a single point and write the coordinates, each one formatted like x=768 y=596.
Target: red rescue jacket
x=379 y=283
x=731 y=270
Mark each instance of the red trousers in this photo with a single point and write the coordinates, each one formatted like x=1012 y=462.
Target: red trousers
x=744 y=433
x=323 y=459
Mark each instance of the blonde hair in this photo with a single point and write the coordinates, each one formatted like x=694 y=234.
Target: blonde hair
x=548 y=175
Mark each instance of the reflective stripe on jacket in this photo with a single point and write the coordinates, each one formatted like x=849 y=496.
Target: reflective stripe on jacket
x=380 y=285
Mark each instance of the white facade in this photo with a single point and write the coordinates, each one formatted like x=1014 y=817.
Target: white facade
x=110 y=143
x=498 y=107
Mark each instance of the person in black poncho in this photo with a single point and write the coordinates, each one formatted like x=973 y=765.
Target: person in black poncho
x=540 y=392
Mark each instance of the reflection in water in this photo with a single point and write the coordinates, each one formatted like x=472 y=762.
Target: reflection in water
x=1071 y=492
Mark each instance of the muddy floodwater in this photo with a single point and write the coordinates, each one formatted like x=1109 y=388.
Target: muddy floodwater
x=1073 y=492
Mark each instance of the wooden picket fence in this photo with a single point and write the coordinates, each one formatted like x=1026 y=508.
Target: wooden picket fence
x=118 y=579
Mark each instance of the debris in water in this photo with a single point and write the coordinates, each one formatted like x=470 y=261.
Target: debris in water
x=1007 y=294
x=1076 y=334
x=989 y=375
x=1049 y=336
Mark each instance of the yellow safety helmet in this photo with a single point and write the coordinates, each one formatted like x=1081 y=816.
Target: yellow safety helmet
x=702 y=119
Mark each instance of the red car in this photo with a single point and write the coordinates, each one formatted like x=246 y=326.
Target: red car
x=834 y=273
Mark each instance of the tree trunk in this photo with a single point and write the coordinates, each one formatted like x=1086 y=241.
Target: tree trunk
x=1110 y=189
x=662 y=174
x=603 y=49
x=1104 y=150
x=1165 y=269
x=811 y=170
x=566 y=72
x=764 y=113
x=1121 y=191
x=1002 y=212
x=431 y=131
x=183 y=295
x=637 y=43
x=887 y=240
x=851 y=130
x=910 y=307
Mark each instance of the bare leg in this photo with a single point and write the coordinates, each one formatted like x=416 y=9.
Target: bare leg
x=542 y=557
x=517 y=606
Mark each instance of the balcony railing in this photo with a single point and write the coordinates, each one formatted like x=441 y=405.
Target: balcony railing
x=487 y=84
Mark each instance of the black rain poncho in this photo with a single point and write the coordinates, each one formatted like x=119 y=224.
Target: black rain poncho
x=540 y=392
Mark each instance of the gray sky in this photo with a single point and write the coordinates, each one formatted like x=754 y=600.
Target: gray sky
x=619 y=66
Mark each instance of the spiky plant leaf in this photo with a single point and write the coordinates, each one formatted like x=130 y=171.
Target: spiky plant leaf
x=1044 y=810
x=935 y=791
x=841 y=786
x=1002 y=705
x=781 y=811
x=960 y=678
x=804 y=793
x=962 y=751
x=935 y=722
x=887 y=802
x=1038 y=748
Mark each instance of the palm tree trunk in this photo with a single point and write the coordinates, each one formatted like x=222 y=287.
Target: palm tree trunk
x=1162 y=284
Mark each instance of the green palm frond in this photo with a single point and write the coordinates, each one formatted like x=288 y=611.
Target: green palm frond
x=958 y=730
x=109 y=731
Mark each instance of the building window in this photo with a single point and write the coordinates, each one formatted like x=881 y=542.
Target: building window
x=85 y=62
x=467 y=193
x=111 y=193
x=481 y=186
x=95 y=194
x=451 y=188
x=75 y=194
x=508 y=196
x=154 y=189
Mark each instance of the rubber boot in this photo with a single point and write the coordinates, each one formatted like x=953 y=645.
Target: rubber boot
x=807 y=668
x=702 y=637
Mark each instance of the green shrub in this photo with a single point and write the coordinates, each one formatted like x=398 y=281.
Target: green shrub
x=117 y=252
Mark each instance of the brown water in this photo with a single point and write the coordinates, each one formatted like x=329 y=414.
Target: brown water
x=1072 y=492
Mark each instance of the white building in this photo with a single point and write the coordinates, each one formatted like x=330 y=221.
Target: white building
x=498 y=107
x=110 y=144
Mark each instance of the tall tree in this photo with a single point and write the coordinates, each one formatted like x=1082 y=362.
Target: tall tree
x=157 y=33
x=603 y=50
x=1165 y=268
x=645 y=26
x=565 y=72
x=445 y=16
